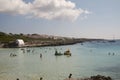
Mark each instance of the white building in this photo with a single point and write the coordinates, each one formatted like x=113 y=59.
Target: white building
x=20 y=42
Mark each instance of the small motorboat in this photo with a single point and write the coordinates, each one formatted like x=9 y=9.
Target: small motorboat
x=67 y=52
x=58 y=53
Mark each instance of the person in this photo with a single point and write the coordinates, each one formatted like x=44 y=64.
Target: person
x=41 y=78
x=70 y=75
x=10 y=54
x=40 y=55
x=113 y=54
x=17 y=79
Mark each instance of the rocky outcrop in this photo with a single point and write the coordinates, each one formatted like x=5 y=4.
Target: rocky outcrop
x=97 y=77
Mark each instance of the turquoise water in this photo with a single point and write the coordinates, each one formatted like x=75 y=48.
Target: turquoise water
x=89 y=59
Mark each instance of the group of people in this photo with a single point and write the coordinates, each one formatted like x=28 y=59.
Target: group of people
x=111 y=53
x=41 y=78
x=12 y=55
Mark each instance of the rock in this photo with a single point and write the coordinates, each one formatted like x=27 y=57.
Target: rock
x=97 y=77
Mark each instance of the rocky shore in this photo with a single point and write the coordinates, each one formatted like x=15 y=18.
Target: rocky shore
x=39 y=43
x=97 y=77
x=37 y=40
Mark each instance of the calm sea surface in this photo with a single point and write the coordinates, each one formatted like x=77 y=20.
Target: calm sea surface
x=88 y=59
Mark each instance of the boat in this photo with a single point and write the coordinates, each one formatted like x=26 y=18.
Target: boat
x=113 y=40
x=58 y=53
x=67 y=52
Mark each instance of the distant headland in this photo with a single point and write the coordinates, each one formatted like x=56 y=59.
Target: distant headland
x=8 y=40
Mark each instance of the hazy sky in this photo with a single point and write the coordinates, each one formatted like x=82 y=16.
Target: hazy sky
x=73 y=18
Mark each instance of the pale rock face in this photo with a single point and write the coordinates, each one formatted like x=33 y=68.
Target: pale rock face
x=20 y=42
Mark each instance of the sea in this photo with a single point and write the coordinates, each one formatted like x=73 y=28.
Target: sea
x=87 y=59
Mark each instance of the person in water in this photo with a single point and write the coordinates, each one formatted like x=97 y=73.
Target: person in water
x=41 y=78
x=70 y=75
x=40 y=55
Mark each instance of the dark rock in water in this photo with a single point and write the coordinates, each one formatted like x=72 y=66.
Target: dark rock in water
x=97 y=77
x=10 y=45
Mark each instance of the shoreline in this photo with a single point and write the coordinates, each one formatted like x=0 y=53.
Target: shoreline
x=52 y=43
x=37 y=40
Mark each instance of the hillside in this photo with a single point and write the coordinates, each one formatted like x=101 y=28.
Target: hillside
x=31 y=40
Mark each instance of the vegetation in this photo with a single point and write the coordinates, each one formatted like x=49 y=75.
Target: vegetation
x=39 y=40
x=6 y=38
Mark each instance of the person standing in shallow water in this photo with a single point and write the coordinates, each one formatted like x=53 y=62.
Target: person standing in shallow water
x=17 y=79
x=41 y=78
x=70 y=75
x=40 y=55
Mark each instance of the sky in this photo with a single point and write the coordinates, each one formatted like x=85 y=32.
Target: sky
x=69 y=18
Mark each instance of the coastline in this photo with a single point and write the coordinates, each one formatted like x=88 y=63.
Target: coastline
x=37 y=40
x=35 y=43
